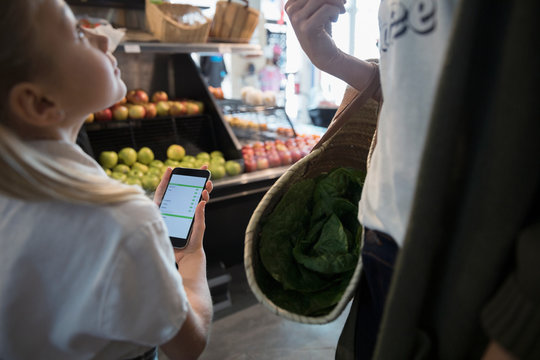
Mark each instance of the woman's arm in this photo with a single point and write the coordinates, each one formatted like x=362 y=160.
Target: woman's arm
x=311 y=21
x=191 y=340
x=192 y=337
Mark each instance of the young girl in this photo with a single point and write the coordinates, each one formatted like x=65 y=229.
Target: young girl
x=87 y=270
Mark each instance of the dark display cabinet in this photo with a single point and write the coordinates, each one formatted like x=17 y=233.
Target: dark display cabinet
x=200 y=132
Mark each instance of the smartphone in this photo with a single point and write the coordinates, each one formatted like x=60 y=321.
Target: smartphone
x=183 y=193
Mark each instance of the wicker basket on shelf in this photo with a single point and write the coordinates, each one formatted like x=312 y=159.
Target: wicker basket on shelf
x=346 y=144
x=163 y=21
x=233 y=22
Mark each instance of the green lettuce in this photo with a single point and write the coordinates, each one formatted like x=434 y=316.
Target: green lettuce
x=309 y=244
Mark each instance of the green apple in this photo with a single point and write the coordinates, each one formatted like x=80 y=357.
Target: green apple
x=216 y=153
x=150 y=182
x=108 y=159
x=189 y=158
x=200 y=162
x=133 y=181
x=118 y=176
x=176 y=152
x=203 y=156
x=217 y=171
x=127 y=156
x=171 y=163
x=154 y=171
x=163 y=108
x=217 y=160
x=156 y=164
x=138 y=166
x=233 y=168
x=145 y=155
x=135 y=173
x=187 y=164
x=108 y=172
x=121 y=168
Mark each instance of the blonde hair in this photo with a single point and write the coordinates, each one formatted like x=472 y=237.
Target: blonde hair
x=26 y=173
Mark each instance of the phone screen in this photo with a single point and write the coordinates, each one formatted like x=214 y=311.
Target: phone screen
x=178 y=206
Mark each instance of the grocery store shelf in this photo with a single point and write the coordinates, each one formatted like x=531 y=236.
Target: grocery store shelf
x=245 y=178
x=178 y=48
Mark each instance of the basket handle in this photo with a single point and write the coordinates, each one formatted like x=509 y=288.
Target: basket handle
x=352 y=100
x=246 y=1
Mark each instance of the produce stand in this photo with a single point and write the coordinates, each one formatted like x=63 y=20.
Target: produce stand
x=234 y=198
x=157 y=66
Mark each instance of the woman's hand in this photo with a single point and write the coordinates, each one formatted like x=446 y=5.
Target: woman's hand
x=195 y=243
x=160 y=190
x=311 y=21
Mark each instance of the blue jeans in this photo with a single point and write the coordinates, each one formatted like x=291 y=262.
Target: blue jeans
x=378 y=257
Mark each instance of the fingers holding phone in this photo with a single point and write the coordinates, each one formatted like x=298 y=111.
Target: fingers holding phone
x=160 y=190
x=180 y=201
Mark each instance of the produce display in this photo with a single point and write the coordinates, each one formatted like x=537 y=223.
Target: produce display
x=273 y=153
x=216 y=92
x=237 y=122
x=309 y=244
x=142 y=169
x=138 y=105
x=256 y=97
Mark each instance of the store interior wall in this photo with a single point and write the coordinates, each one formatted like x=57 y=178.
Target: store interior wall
x=305 y=86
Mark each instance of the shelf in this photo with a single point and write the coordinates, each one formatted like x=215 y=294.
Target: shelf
x=250 y=177
x=134 y=47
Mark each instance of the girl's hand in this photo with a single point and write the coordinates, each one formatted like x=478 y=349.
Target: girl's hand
x=196 y=239
x=311 y=21
x=195 y=244
x=160 y=190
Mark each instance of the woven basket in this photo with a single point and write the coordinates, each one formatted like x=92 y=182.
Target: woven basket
x=162 y=21
x=348 y=144
x=233 y=22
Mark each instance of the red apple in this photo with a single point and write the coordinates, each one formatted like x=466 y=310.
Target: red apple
x=122 y=102
x=103 y=115
x=262 y=162
x=178 y=108
x=151 y=110
x=273 y=158
x=137 y=112
x=269 y=145
x=285 y=157
x=295 y=154
x=281 y=147
x=90 y=118
x=303 y=150
x=120 y=112
x=290 y=142
x=137 y=97
x=159 y=96
x=192 y=108
x=250 y=164
x=247 y=150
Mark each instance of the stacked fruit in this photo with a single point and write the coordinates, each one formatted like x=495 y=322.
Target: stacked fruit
x=138 y=105
x=259 y=155
x=235 y=121
x=141 y=168
x=216 y=92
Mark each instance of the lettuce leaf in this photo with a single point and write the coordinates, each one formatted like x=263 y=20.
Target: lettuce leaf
x=309 y=243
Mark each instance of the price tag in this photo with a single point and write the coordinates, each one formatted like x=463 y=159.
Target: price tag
x=132 y=48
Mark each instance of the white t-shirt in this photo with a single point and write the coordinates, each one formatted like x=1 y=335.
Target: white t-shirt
x=82 y=281
x=413 y=41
